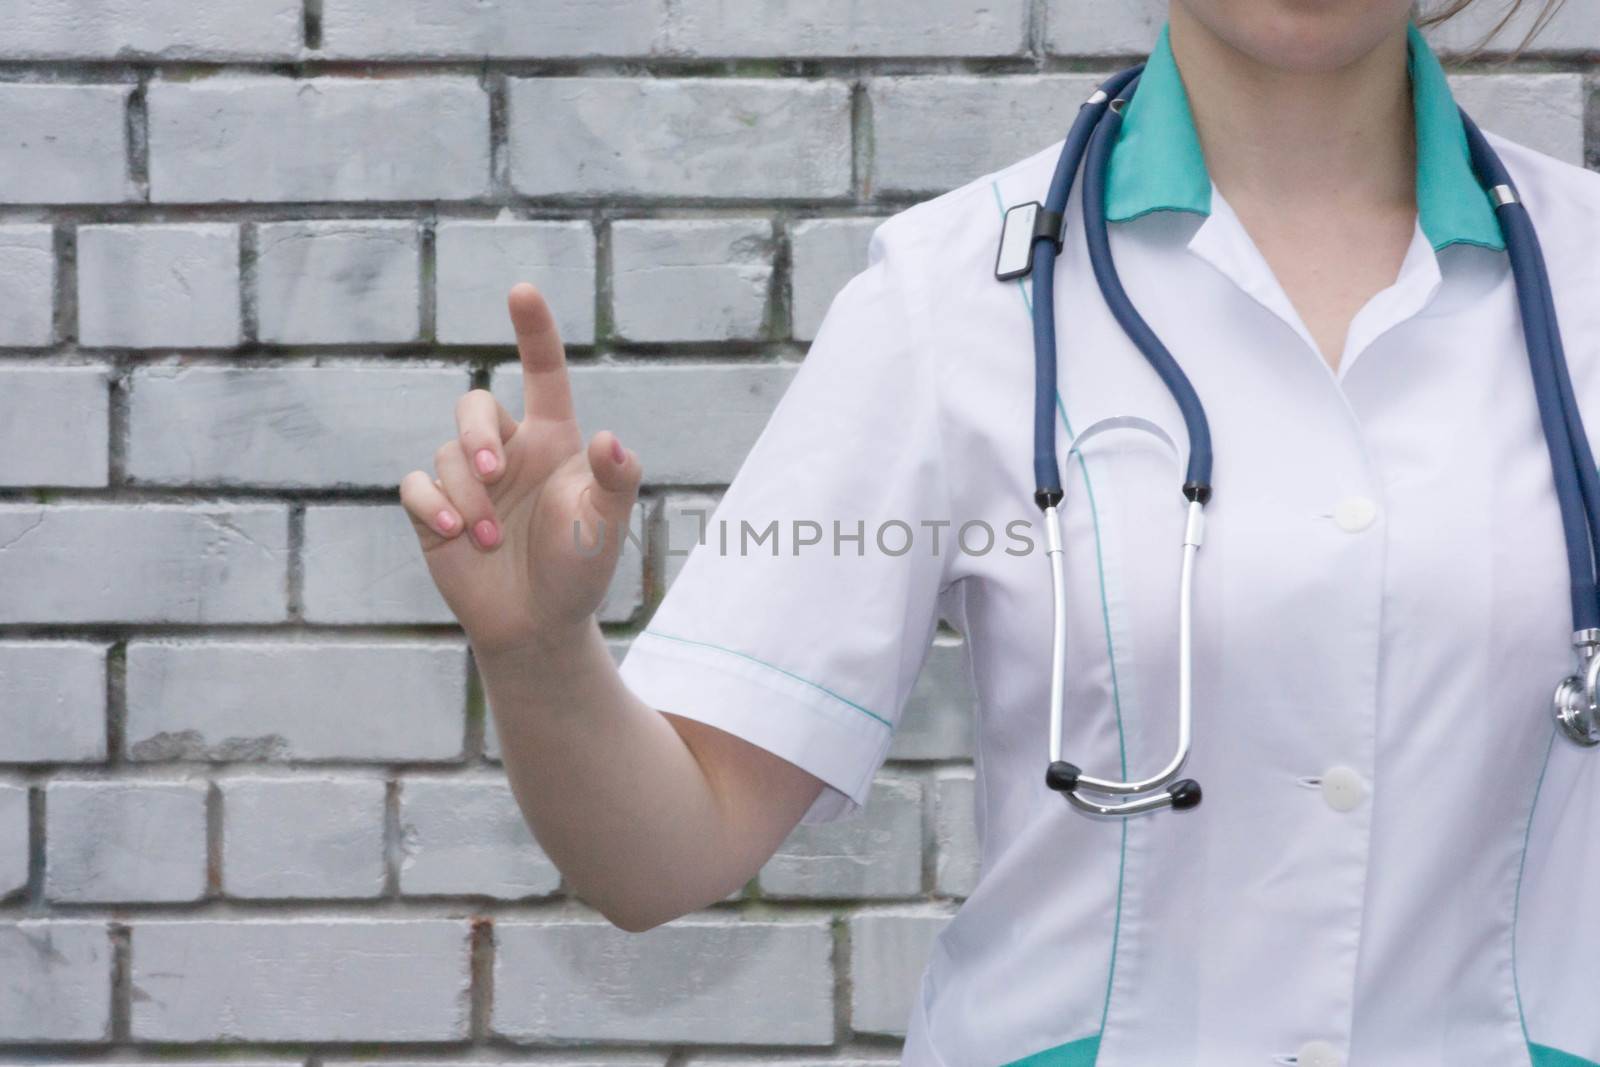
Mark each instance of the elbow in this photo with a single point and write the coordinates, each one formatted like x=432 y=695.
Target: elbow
x=633 y=916
x=640 y=911
x=636 y=922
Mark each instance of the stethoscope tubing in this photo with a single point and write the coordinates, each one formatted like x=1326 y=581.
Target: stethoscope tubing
x=1116 y=297
x=1046 y=471
x=1577 y=481
x=1571 y=461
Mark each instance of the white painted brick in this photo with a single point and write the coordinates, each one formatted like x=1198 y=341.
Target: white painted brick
x=187 y=1062
x=331 y=281
x=143 y=563
x=156 y=29
x=686 y=523
x=54 y=425
x=851 y=28
x=592 y=981
x=296 y=426
x=64 y=144
x=125 y=842
x=938 y=719
x=302 y=837
x=362 y=564
x=888 y=952
x=824 y=254
x=479 y=262
x=691 y=279
x=467 y=837
x=1575 y=28
x=1128 y=28
x=52 y=702
x=266 y=138
x=14 y=836
x=618 y=647
x=698 y=137
x=955 y=833
x=431 y=29
x=296 y=700
x=1542 y=111
x=573 y=1059
x=821 y=1059
x=300 y=980
x=876 y=854
x=27 y=285
x=155 y=286
x=689 y=424
x=55 y=981
x=934 y=133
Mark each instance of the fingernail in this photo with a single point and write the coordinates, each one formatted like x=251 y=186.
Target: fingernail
x=486 y=461
x=445 y=521
x=617 y=452
x=487 y=532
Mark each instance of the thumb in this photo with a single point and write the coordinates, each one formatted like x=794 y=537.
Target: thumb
x=617 y=474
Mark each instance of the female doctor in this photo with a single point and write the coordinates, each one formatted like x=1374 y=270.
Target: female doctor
x=1397 y=854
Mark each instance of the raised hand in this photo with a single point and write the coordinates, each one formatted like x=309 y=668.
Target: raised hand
x=497 y=519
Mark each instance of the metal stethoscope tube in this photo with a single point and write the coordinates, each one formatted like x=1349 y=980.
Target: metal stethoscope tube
x=1069 y=779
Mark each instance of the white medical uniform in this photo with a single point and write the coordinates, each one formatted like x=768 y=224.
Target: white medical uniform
x=1396 y=861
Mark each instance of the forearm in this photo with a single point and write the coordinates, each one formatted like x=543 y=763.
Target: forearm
x=612 y=792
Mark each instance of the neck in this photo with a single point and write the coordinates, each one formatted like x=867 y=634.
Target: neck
x=1340 y=139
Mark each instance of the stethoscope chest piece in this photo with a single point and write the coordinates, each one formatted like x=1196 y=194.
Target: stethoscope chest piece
x=1577 y=698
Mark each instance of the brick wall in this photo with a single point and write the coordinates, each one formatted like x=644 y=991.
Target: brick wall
x=250 y=254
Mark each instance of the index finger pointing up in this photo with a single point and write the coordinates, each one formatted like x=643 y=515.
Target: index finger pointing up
x=546 y=392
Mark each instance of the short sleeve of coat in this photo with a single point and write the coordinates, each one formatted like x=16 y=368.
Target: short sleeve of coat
x=800 y=620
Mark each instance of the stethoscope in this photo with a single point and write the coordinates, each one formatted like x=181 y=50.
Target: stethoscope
x=1030 y=242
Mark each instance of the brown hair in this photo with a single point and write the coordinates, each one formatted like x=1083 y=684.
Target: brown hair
x=1451 y=8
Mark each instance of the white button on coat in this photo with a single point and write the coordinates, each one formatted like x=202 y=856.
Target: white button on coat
x=1343 y=788
x=1355 y=513
x=1319 y=1054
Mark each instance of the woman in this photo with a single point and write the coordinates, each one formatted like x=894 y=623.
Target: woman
x=1394 y=858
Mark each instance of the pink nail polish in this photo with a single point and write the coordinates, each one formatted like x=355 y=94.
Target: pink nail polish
x=617 y=452
x=486 y=461
x=446 y=521
x=488 y=534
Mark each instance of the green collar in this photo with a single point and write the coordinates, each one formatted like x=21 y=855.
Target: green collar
x=1158 y=164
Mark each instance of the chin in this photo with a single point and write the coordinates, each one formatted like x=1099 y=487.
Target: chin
x=1299 y=36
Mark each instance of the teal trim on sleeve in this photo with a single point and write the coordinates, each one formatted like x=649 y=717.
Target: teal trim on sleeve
x=1081 y=1053
x=1158 y=164
x=1543 y=1056
x=771 y=667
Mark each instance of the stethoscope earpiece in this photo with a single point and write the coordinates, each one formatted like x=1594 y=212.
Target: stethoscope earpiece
x=1062 y=776
x=1183 y=795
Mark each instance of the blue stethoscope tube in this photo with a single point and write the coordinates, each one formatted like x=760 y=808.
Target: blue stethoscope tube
x=1088 y=145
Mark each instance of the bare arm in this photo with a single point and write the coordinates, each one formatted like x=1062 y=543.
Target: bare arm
x=647 y=815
